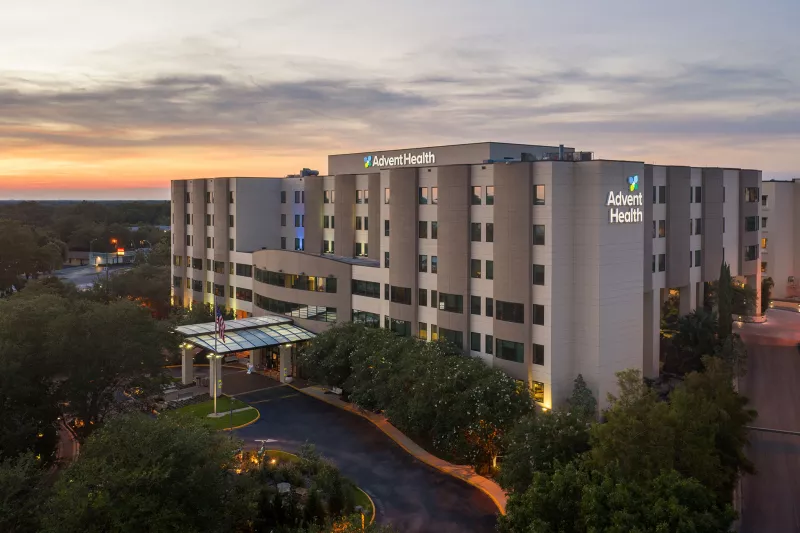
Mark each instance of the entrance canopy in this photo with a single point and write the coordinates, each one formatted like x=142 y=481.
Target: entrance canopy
x=245 y=334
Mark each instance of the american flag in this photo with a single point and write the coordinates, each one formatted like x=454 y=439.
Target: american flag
x=220 y=325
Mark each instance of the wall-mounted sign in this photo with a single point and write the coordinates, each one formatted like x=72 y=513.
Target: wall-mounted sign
x=407 y=159
x=626 y=208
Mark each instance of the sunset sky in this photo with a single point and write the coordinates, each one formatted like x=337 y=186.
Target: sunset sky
x=105 y=99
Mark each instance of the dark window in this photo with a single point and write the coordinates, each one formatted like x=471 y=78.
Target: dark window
x=386 y=259
x=698 y=226
x=434 y=299
x=763 y=222
x=219 y=290
x=655 y=194
x=371 y=320
x=538 y=274
x=283 y=243
x=400 y=295
x=476 y=195
x=489 y=344
x=510 y=312
x=197 y=263
x=662 y=262
x=475 y=341
x=538 y=314
x=423 y=263
x=297 y=221
x=434 y=264
x=698 y=195
x=246 y=295
x=423 y=195
x=244 y=270
x=386 y=291
x=751 y=194
x=452 y=303
x=423 y=229
x=326 y=197
x=369 y=289
x=750 y=253
x=654 y=263
x=698 y=258
x=197 y=285
x=490 y=307
x=298 y=244
x=208 y=198
x=475 y=232
x=662 y=229
x=359 y=224
x=764 y=200
x=538 y=234
x=230 y=197
x=230 y=221
x=297 y=197
x=283 y=197
x=434 y=229
x=219 y=267
x=538 y=195
x=283 y=219
x=538 y=354
x=295 y=310
x=490 y=232
x=489 y=195
x=751 y=223
x=422 y=298
x=510 y=351
x=400 y=327
x=662 y=194
x=475 y=305
x=230 y=245
x=176 y=281
x=456 y=337
x=386 y=228
x=475 y=268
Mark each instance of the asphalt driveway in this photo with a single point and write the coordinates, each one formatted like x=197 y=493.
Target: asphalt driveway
x=407 y=493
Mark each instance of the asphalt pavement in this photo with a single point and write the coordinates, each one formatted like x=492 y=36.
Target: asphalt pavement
x=84 y=276
x=771 y=498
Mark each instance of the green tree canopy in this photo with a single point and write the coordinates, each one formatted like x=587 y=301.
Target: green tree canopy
x=147 y=284
x=21 y=494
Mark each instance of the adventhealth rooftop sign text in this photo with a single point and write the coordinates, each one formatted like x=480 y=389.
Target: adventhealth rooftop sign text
x=381 y=161
x=633 y=202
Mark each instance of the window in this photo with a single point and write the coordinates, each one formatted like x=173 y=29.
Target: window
x=475 y=341
x=361 y=249
x=188 y=218
x=209 y=265
x=489 y=195
x=763 y=242
x=208 y=220
x=188 y=198
x=386 y=259
x=359 y=223
x=283 y=219
x=489 y=269
x=327 y=247
x=386 y=291
x=387 y=195
x=538 y=195
x=476 y=195
x=244 y=270
x=208 y=287
x=423 y=263
x=372 y=320
x=298 y=244
x=219 y=267
x=654 y=264
x=538 y=314
x=452 y=303
x=475 y=232
x=386 y=227
x=538 y=354
x=750 y=253
x=488 y=344
x=538 y=274
x=423 y=196
x=197 y=285
x=423 y=229
x=208 y=242
x=400 y=295
x=309 y=312
x=655 y=194
x=283 y=197
x=297 y=221
x=434 y=299
x=510 y=351
x=475 y=268
x=475 y=305
x=176 y=281
x=230 y=221
x=423 y=331
x=366 y=223
x=490 y=232
x=662 y=229
x=698 y=258
x=230 y=197
x=434 y=332
x=327 y=197
x=302 y=197
x=177 y=260
x=662 y=194
x=197 y=263
x=283 y=243
x=490 y=307
x=654 y=229
x=751 y=194
x=723 y=224
x=370 y=289
x=662 y=262
x=538 y=235
x=359 y=196
x=538 y=392
x=456 y=337
x=208 y=198
x=434 y=195
x=763 y=222
x=366 y=196
x=751 y=223
x=297 y=197
x=698 y=195
x=422 y=297
x=764 y=200
x=246 y=295
x=763 y=266
x=698 y=226
x=510 y=312
x=434 y=264
x=434 y=229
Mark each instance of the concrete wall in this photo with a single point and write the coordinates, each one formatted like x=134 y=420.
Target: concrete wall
x=678 y=215
x=313 y=215
x=748 y=178
x=782 y=234
x=713 y=211
x=344 y=211
x=403 y=239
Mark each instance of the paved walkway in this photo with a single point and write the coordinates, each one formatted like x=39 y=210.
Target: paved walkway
x=465 y=473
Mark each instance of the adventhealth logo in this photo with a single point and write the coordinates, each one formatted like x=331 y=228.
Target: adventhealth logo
x=616 y=200
x=424 y=158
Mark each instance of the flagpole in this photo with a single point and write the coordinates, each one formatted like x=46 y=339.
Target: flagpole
x=214 y=359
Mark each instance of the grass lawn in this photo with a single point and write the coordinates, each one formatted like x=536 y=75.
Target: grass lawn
x=363 y=500
x=224 y=404
x=282 y=456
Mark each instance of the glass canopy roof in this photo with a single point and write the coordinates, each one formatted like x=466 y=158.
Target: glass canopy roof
x=251 y=338
x=233 y=325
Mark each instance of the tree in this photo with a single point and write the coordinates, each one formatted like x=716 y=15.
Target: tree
x=696 y=336
x=21 y=494
x=582 y=401
x=17 y=251
x=170 y=473
x=146 y=284
x=107 y=349
x=766 y=293
x=744 y=299
x=725 y=301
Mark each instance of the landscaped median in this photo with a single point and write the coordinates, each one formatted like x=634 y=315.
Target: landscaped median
x=241 y=415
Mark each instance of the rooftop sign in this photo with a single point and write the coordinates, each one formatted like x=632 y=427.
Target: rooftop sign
x=406 y=159
x=632 y=201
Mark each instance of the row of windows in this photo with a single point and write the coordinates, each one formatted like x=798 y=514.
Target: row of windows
x=295 y=310
x=423 y=263
x=362 y=249
x=362 y=196
x=422 y=229
x=477 y=196
x=423 y=197
x=696 y=258
x=299 y=244
x=209 y=197
x=296 y=281
x=370 y=289
x=475 y=269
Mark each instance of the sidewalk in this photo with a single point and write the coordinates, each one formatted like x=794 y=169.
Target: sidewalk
x=464 y=473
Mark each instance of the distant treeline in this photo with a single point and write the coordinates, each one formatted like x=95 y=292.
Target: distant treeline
x=77 y=224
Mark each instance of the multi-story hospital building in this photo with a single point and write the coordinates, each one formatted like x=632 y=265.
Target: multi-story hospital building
x=540 y=260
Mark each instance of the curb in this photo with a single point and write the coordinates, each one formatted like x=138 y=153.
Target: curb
x=355 y=411
x=258 y=415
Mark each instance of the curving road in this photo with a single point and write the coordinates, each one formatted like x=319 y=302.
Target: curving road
x=407 y=493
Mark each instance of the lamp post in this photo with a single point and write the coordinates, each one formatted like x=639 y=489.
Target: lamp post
x=90 y=253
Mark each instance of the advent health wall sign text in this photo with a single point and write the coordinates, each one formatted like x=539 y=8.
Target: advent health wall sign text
x=626 y=207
